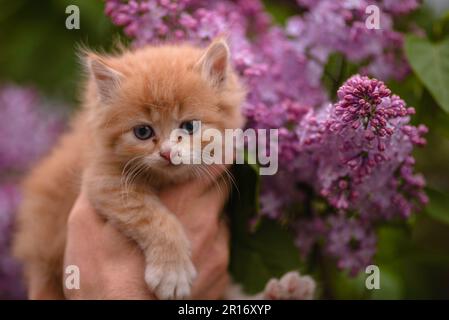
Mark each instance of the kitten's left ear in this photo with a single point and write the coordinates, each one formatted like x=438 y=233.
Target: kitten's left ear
x=213 y=64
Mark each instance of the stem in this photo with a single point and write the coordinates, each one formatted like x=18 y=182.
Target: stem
x=326 y=277
x=339 y=79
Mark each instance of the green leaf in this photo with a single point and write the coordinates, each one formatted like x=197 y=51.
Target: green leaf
x=256 y=256
x=438 y=207
x=430 y=61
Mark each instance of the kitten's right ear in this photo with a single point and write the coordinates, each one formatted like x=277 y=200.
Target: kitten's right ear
x=106 y=78
x=213 y=64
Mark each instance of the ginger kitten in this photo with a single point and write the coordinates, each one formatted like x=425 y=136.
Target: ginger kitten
x=119 y=150
x=132 y=103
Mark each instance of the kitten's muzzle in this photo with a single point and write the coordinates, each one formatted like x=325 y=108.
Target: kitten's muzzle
x=165 y=155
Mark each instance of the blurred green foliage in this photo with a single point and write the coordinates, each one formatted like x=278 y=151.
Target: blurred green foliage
x=37 y=49
x=264 y=251
x=431 y=64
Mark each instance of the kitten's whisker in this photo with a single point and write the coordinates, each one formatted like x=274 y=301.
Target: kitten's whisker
x=229 y=179
x=131 y=178
x=126 y=177
x=141 y=167
x=129 y=162
x=213 y=179
x=226 y=177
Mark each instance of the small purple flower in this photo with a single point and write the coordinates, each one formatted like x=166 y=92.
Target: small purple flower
x=10 y=276
x=367 y=103
x=308 y=232
x=351 y=243
x=400 y=7
x=25 y=131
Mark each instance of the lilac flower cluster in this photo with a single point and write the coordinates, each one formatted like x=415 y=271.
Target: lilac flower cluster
x=396 y=7
x=359 y=161
x=198 y=21
x=27 y=130
x=10 y=277
x=399 y=7
x=340 y=26
x=348 y=165
x=23 y=133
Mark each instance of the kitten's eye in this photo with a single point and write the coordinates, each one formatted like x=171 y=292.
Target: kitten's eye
x=143 y=132
x=190 y=126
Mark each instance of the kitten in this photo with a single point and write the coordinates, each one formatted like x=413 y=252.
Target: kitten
x=132 y=103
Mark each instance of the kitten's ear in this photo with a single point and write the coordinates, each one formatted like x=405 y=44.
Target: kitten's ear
x=106 y=78
x=213 y=64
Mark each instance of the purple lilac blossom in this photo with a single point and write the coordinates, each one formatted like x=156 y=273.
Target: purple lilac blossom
x=28 y=128
x=361 y=151
x=393 y=6
x=355 y=154
x=10 y=276
x=340 y=26
x=25 y=130
x=351 y=242
x=399 y=6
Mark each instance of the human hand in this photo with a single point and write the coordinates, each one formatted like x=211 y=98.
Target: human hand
x=112 y=266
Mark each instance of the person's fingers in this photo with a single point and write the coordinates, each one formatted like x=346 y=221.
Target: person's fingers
x=111 y=264
x=203 y=222
x=216 y=290
x=91 y=237
x=212 y=259
x=90 y=232
x=191 y=209
x=217 y=194
x=82 y=211
x=204 y=232
x=82 y=228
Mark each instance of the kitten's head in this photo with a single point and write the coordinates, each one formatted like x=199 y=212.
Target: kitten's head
x=138 y=98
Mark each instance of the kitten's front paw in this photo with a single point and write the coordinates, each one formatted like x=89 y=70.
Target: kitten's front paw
x=170 y=280
x=292 y=286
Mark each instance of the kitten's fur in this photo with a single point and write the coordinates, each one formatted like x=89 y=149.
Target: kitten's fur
x=160 y=86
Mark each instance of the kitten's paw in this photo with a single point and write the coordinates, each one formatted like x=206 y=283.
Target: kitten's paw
x=170 y=281
x=292 y=286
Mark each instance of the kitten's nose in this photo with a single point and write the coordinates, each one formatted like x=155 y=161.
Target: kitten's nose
x=165 y=154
